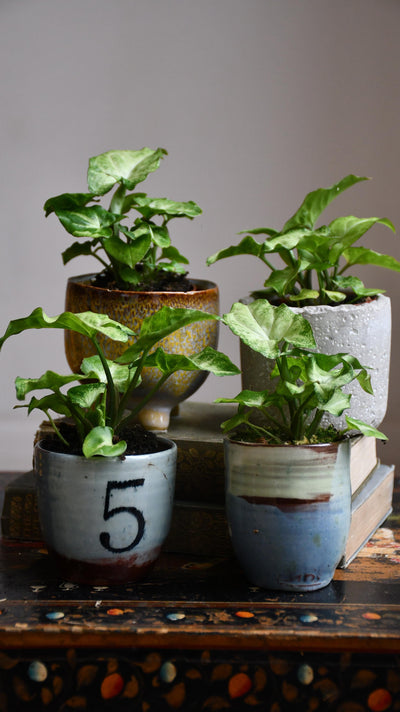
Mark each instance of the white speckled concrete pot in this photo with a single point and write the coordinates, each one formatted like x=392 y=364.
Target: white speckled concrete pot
x=362 y=330
x=104 y=520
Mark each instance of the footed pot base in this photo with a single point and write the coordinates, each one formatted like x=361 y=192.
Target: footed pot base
x=155 y=418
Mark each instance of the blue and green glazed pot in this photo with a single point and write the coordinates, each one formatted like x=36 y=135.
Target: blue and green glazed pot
x=288 y=510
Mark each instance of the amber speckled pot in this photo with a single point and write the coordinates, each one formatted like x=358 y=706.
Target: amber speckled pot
x=131 y=308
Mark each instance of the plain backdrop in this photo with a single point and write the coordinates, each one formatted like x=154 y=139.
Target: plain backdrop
x=256 y=101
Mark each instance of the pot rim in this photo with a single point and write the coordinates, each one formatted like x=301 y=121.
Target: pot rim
x=205 y=285
x=317 y=308
x=171 y=447
x=304 y=446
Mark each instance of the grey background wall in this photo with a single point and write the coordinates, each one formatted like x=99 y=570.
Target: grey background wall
x=257 y=102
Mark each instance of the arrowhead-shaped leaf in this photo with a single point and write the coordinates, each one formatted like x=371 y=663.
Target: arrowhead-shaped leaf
x=86 y=395
x=100 y=442
x=126 y=167
x=263 y=326
x=315 y=203
x=337 y=403
x=92 y=221
x=121 y=375
x=173 y=254
x=50 y=380
x=85 y=323
x=357 y=286
x=160 y=324
x=67 y=201
x=129 y=254
x=53 y=401
x=162 y=206
x=364 y=256
x=78 y=249
x=349 y=229
x=247 y=246
x=364 y=428
x=207 y=360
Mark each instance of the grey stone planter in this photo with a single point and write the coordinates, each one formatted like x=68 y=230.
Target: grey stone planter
x=363 y=330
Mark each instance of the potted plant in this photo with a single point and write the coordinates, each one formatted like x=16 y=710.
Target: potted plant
x=105 y=486
x=312 y=277
x=141 y=270
x=288 y=493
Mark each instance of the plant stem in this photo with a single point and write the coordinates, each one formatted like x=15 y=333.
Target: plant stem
x=116 y=204
x=279 y=425
x=103 y=262
x=132 y=415
x=269 y=265
x=264 y=432
x=314 y=425
x=298 y=420
x=123 y=404
x=111 y=392
x=56 y=430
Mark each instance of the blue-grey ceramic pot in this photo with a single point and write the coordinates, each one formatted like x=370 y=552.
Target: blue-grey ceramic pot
x=103 y=519
x=288 y=510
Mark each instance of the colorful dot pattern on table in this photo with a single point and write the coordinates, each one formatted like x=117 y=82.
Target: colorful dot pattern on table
x=177 y=680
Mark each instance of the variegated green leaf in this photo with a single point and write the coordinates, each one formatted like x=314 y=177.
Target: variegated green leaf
x=126 y=167
x=100 y=442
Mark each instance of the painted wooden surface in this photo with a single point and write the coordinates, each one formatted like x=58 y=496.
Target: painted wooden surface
x=195 y=635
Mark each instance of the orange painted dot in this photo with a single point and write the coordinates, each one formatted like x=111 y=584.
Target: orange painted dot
x=244 y=614
x=111 y=686
x=239 y=685
x=379 y=700
x=115 y=612
x=371 y=616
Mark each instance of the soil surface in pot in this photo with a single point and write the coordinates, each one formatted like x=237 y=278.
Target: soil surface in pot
x=163 y=282
x=277 y=301
x=139 y=441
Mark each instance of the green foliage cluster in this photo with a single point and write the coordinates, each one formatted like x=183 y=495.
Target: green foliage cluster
x=305 y=384
x=314 y=260
x=134 y=254
x=100 y=403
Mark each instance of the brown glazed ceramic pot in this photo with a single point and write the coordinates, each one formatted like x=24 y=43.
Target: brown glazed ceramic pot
x=131 y=308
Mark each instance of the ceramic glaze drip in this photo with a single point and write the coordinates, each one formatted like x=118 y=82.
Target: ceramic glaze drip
x=288 y=510
x=308 y=473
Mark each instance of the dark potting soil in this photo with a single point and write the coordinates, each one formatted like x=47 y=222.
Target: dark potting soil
x=276 y=301
x=139 y=441
x=163 y=282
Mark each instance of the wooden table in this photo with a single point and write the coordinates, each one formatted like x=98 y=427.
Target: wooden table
x=196 y=636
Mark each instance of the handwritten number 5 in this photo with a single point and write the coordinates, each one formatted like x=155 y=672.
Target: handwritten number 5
x=108 y=513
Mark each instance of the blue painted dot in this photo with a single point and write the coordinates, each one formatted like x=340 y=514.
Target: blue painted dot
x=175 y=616
x=37 y=671
x=168 y=672
x=55 y=615
x=305 y=674
x=308 y=618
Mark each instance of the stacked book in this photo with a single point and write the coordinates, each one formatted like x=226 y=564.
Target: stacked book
x=199 y=525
